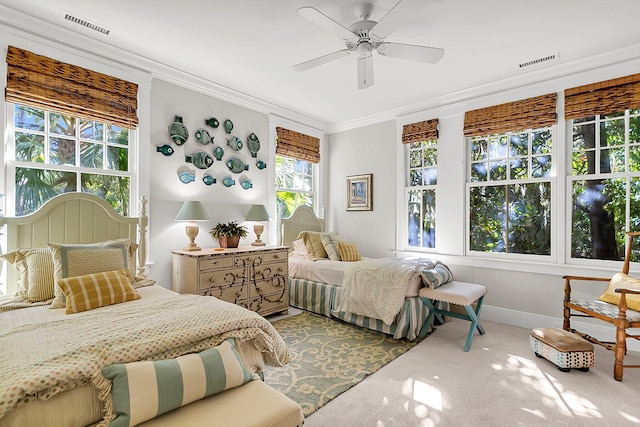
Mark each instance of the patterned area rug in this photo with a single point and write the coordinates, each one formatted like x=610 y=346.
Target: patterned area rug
x=328 y=357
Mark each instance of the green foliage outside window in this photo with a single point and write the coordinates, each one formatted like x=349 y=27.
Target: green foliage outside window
x=56 y=154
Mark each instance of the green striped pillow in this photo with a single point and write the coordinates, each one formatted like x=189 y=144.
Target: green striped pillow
x=143 y=390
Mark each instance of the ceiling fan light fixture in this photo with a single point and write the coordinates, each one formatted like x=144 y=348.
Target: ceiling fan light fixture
x=364 y=49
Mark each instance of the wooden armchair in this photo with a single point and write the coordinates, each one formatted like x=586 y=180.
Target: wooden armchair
x=619 y=315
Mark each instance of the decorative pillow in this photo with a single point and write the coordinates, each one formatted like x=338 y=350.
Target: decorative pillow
x=95 y=290
x=71 y=260
x=35 y=266
x=329 y=241
x=313 y=242
x=298 y=248
x=348 y=252
x=621 y=280
x=143 y=390
x=433 y=277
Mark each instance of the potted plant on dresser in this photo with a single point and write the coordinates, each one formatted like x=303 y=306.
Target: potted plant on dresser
x=228 y=234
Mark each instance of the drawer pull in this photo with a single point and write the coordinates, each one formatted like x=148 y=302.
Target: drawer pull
x=212 y=280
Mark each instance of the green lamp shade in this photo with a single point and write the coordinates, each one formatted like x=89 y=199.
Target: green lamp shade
x=258 y=213
x=192 y=211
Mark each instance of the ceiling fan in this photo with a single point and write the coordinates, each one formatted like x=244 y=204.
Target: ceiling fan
x=365 y=36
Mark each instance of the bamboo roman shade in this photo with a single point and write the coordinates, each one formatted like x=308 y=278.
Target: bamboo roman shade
x=530 y=113
x=297 y=145
x=602 y=98
x=421 y=131
x=41 y=82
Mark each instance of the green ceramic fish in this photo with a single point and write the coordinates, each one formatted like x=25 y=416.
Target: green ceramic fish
x=165 y=149
x=200 y=159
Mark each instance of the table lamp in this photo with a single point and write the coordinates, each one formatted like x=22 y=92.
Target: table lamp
x=192 y=211
x=258 y=213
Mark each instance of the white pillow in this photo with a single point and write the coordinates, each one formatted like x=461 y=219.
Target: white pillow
x=330 y=243
x=299 y=248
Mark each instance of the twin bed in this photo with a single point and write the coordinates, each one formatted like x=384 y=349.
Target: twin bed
x=52 y=359
x=378 y=294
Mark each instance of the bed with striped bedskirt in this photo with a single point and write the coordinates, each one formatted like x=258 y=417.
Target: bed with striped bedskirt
x=321 y=298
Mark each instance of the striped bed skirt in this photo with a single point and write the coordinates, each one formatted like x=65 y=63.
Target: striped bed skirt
x=321 y=298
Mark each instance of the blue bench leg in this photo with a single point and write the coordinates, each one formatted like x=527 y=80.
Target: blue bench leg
x=426 y=327
x=475 y=322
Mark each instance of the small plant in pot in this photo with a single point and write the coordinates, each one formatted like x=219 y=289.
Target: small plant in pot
x=228 y=234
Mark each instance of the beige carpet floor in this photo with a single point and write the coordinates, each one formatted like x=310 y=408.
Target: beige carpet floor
x=499 y=382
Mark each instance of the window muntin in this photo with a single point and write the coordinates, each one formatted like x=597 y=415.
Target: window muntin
x=605 y=184
x=422 y=180
x=295 y=184
x=56 y=153
x=509 y=188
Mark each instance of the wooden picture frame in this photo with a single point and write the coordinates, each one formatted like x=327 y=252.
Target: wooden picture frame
x=360 y=192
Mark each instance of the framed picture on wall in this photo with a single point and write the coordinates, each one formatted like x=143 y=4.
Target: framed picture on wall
x=360 y=192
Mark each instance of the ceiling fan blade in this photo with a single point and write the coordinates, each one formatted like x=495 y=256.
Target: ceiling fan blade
x=397 y=16
x=365 y=72
x=412 y=52
x=321 y=60
x=314 y=16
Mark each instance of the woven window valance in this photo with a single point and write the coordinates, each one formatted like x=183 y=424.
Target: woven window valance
x=606 y=97
x=297 y=145
x=421 y=131
x=41 y=82
x=530 y=113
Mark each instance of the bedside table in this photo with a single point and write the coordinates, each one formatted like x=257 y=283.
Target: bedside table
x=254 y=277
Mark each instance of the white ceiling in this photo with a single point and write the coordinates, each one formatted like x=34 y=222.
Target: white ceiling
x=249 y=46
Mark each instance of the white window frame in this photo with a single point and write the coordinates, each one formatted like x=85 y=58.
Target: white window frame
x=570 y=178
x=552 y=179
x=12 y=164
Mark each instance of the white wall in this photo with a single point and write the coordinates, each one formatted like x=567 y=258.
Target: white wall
x=222 y=203
x=370 y=149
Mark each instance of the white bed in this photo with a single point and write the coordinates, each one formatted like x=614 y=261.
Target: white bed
x=49 y=357
x=316 y=284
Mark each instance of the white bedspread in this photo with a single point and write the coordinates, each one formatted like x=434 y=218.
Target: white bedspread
x=54 y=352
x=377 y=287
x=332 y=272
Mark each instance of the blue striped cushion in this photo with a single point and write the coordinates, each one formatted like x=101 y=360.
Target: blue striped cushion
x=143 y=390
x=437 y=275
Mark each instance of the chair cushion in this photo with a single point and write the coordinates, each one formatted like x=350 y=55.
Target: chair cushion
x=606 y=309
x=621 y=280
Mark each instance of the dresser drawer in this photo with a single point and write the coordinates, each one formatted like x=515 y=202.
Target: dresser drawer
x=267 y=271
x=273 y=285
x=274 y=303
x=215 y=263
x=231 y=276
x=233 y=294
x=274 y=256
x=247 y=260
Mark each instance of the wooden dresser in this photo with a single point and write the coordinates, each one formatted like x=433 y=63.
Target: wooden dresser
x=254 y=277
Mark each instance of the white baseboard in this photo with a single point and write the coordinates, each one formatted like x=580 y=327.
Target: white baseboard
x=530 y=321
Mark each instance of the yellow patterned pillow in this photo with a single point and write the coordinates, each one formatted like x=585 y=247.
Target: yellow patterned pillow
x=621 y=280
x=72 y=260
x=348 y=252
x=35 y=266
x=97 y=290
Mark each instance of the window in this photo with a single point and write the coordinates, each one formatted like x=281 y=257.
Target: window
x=605 y=184
x=509 y=190
x=294 y=184
x=57 y=153
x=421 y=193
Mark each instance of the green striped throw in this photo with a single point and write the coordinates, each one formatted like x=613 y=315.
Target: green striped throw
x=143 y=390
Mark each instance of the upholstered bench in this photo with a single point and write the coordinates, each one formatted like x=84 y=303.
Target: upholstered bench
x=459 y=293
x=564 y=349
x=254 y=404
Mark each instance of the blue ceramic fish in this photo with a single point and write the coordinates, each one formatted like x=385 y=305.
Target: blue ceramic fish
x=235 y=143
x=178 y=131
x=228 y=126
x=260 y=164
x=213 y=122
x=186 y=177
x=165 y=149
x=236 y=165
x=228 y=181
x=253 y=143
x=218 y=152
x=208 y=179
x=200 y=159
x=246 y=184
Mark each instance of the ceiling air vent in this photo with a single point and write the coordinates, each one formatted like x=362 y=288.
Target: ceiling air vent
x=87 y=24
x=538 y=61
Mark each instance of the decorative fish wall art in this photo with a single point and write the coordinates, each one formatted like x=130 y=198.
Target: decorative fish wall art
x=199 y=159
